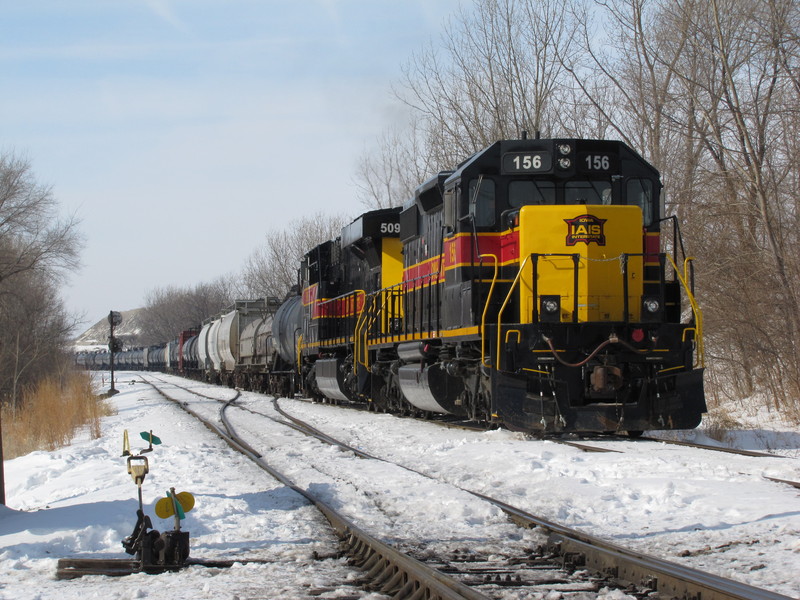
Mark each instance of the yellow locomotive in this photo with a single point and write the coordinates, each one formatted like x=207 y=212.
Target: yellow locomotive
x=526 y=287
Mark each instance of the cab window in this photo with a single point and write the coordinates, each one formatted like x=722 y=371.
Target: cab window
x=482 y=201
x=524 y=193
x=588 y=192
x=450 y=208
x=640 y=193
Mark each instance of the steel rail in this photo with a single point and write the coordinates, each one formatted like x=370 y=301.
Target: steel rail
x=712 y=448
x=622 y=564
x=637 y=567
x=392 y=572
x=795 y=484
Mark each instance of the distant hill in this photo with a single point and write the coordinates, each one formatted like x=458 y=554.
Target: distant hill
x=96 y=337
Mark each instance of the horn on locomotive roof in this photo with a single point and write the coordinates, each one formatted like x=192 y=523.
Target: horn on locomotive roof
x=536 y=134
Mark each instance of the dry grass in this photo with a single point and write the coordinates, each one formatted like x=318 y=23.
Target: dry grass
x=719 y=423
x=51 y=415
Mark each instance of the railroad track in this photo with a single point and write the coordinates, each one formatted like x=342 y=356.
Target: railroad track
x=581 y=445
x=554 y=563
x=387 y=569
x=644 y=439
x=467 y=571
x=590 y=448
x=582 y=442
x=484 y=576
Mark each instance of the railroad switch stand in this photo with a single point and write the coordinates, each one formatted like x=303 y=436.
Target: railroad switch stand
x=154 y=552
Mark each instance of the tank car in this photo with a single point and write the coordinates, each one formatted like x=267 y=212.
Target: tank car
x=266 y=356
x=526 y=287
x=187 y=344
x=236 y=348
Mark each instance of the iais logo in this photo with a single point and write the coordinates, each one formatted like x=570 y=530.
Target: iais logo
x=586 y=229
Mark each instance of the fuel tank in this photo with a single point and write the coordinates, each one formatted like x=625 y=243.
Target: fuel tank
x=432 y=389
x=330 y=379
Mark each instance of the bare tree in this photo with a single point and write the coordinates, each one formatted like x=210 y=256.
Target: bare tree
x=32 y=236
x=170 y=310
x=389 y=172
x=495 y=72
x=37 y=250
x=35 y=330
x=708 y=91
x=271 y=269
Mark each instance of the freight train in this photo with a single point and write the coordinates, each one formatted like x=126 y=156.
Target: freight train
x=531 y=287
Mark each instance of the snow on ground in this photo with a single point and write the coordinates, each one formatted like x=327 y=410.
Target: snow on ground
x=80 y=502
x=707 y=510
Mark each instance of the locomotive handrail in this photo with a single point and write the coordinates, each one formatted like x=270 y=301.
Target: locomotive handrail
x=365 y=321
x=341 y=296
x=299 y=355
x=534 y=283
x=421 y=282
x=503 y=307
x=357 y=344
x=349 y=298
x=698 y=314
x=576 y=259
x=677 y=237
x=338 y=329
x=486 y=308
x=383 y=308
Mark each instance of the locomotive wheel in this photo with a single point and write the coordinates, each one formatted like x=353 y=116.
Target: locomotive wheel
x=380 y=402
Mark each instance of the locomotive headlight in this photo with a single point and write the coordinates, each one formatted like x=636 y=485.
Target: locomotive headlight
x=652 y=305
x=550 y=308
x=651 y=309
x=564 y=163
x=564 y=149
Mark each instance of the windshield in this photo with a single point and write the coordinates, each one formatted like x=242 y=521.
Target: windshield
x=587 y=192
x=523 y=193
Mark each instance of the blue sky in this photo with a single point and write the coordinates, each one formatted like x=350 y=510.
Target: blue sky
x=182 y=131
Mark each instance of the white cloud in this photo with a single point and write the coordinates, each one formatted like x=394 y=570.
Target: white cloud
x=163 y=9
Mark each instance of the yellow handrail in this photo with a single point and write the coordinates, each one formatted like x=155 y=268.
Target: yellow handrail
x=358 y=348
x=353 y=293
x=362 y=328
x=486 y=308
x=503 y=307
x=299 y=358
x=698 y=314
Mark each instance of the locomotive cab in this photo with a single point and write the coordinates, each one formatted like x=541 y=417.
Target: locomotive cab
x=484 y=201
